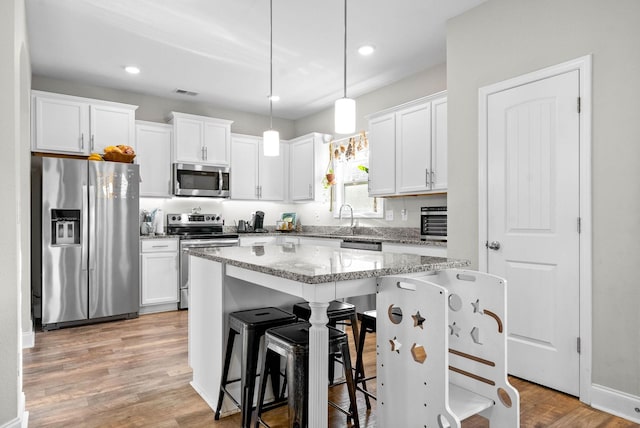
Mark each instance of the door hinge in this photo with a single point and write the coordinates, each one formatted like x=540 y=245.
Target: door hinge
x=579 y=224
x=578 y=344
x=579 y=105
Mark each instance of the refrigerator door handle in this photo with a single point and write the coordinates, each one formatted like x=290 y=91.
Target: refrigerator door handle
x=84 y=231
x=92 y=226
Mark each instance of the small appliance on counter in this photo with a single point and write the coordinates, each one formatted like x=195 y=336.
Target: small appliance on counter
x=433 y=223
x=258 y=222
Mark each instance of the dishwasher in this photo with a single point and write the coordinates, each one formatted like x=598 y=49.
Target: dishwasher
x=367 y=302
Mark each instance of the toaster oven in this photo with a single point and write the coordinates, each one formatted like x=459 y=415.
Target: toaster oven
x=433 y=223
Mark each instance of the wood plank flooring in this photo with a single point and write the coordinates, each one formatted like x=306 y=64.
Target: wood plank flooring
x=134 y=373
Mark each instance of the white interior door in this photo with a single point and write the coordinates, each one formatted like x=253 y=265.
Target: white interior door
x=533 y=209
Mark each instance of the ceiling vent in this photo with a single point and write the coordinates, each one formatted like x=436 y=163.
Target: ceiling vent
x=185 y=92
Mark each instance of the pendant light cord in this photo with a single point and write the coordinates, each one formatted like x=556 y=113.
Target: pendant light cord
x=345 y=48
x=271 y=64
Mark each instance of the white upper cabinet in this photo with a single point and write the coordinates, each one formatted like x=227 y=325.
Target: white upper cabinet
x=73 y=125
x=201 y=139
x=253 y=175
x=244 y=167
x=413 y=149
x=271 y=171
x=382 y=155
x=408 y=148
x=153 y=147
x=439 y=143
x=304 y=163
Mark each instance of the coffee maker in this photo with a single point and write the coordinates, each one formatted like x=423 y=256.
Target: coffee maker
x=258 y=222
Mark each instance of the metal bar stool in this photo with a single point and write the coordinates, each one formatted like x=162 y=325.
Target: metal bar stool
x=251 y=325
x=292 y=342
x=367 y=325
x=338 y=312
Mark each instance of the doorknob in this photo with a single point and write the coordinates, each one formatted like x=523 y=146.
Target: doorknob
x=494 y=245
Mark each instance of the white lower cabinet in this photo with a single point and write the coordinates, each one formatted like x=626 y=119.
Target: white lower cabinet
x=159 y=261
x=422 y=250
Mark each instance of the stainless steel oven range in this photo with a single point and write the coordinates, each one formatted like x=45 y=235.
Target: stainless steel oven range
x=196 y=231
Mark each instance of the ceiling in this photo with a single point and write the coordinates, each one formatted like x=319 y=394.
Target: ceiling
x=220 y=49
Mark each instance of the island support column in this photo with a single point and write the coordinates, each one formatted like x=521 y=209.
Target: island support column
x=318 y=365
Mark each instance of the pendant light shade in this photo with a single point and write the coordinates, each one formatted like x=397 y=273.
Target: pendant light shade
x=271 y=138
x=271 y=142
x=345 y=116
x=345 y=108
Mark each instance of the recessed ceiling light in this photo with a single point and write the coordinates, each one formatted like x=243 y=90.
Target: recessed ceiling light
x=274 y=98
x=366 y=50
x=132 y=69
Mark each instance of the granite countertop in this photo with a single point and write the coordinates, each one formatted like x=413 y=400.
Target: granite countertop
x=159 y=236
x=359 y=237
x=314 y=264
x=368 y=238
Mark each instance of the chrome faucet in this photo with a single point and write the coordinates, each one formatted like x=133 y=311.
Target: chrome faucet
x=340 y=214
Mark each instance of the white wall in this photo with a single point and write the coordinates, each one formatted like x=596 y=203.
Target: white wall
x=14 y=179
x=505 y=38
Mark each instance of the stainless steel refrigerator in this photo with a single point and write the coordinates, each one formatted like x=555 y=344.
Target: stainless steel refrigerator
x=85 y=234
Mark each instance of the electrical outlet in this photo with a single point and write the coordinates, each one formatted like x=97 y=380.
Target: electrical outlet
x=389 y=215
x=404 y=214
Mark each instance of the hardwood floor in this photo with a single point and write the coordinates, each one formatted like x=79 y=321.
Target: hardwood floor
x=134 y=373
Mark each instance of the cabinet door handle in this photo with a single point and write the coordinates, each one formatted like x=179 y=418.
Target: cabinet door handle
x=202 y=153
x=257 y=191
x=310 y=191
x=260 y=192
x=426 y=178
x=82 y=141
x=159 y=246
x=206 y=152
x=92 y=146
x=433 y=174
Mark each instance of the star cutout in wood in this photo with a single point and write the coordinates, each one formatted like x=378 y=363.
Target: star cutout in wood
x=454 y=329
x=476 y=306
x=395 y=344
x=418 y=320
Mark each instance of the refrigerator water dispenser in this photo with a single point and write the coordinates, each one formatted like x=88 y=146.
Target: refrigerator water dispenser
x=65 y=227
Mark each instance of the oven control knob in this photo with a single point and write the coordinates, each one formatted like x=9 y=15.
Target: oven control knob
x=173 y=217
x=179 y=218
x=218 y=218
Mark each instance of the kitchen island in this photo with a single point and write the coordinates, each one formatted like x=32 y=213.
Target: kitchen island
x=224 y=280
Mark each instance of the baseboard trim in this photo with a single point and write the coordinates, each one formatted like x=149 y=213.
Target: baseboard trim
x=616 y=402
x=21 y=421
x=28 y=339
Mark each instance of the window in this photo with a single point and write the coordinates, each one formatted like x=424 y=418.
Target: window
x=351 y=165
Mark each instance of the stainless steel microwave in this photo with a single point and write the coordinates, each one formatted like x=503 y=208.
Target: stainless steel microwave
x=200 y=180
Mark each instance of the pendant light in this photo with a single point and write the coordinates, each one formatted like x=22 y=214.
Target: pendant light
x=271 y=138
x=345 y=108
